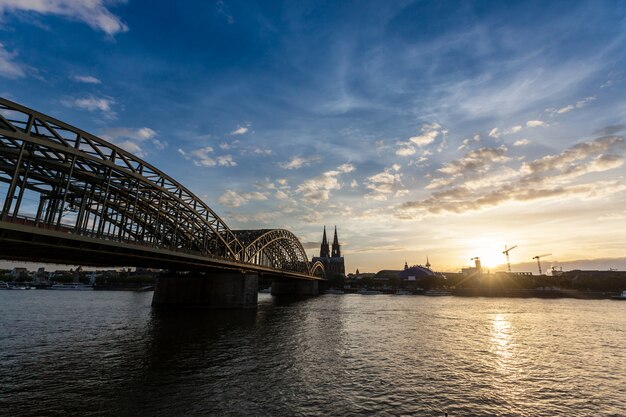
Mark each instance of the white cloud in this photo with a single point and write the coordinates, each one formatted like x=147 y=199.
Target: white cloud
x=566 y=109
x=281 y=195
x=260 y=151
x=133 y=140
x=476 y=161
x=87 y=79
x=240 y=131
x=232 y=198
x=298 y=162
x=345 y=168
x=430 y=132
x=466 y=142
x=226 y=161
x=92 y=12
x=521 y=142
x=557 y=176
x=385 y=183
x=494 y=133
x=512 y=130
x=8 y=67
x=91 y=103
x=578 y=105
x=317 y=190
x=535 y=123
x=406 y=151
x=204 y=157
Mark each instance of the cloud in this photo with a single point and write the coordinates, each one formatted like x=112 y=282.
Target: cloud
x=8 y=67
x=578 y=105
x=133 y=140
x=93 y=12
x=479 y=160
x=87 y=79
x=204 y=157
x=239 y=131
x=466 y=142
x=317 y=190
x=406 y=151
x=552 y=176
x=512 y=130
x=385 y=184
x=260 y=151
x=298 y=162
x=494 y=133
x=233 y=199
x=610 y=130
x=91 y=103
x=430 y=132
x=521 y=142
x=535 y=123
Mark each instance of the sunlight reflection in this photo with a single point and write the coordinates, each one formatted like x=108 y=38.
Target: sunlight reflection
x=501 y=336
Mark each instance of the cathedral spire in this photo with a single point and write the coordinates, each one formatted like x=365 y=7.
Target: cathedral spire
x=336 y=247
x=324 y=250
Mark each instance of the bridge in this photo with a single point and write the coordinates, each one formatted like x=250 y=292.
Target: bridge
x=69 y=197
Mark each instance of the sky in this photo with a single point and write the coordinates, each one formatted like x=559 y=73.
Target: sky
x=439 y=129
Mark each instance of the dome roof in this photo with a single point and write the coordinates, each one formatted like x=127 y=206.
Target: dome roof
x=416 y=271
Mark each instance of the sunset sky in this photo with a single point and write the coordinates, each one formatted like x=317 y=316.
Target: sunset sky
x=441 y=129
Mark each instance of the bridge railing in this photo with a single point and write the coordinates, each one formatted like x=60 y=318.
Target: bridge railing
x=70 y=229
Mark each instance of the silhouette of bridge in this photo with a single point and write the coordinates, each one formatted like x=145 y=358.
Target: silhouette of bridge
x=70 y=197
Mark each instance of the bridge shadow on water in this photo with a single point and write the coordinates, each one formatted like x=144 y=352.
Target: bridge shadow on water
x=202 y=362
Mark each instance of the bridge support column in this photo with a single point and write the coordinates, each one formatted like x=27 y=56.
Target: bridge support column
x=217 y=290
x=295 y=287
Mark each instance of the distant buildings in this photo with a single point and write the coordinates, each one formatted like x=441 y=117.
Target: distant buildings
x=331 y=258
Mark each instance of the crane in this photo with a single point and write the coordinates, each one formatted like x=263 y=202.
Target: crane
x=506 y=252
x=479 y=267
x=538 y=262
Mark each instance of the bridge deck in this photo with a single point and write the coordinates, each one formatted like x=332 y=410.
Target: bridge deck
x=34 y=244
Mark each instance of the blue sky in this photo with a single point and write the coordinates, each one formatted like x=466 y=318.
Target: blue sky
x=445 y=128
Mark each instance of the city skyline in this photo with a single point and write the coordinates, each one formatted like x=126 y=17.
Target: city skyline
x=419 y=129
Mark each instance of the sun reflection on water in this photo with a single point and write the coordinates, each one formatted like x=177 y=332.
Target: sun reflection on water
x=501 y=337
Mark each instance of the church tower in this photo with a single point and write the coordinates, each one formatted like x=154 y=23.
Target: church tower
x=336 y=248
x=333 y=261
x=324 y=250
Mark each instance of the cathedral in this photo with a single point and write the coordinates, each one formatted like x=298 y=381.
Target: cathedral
x=331 y=258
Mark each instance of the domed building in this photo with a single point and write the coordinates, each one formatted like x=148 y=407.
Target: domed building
x=415 y=273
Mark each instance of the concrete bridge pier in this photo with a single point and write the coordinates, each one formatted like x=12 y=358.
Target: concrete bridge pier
x=219 y=290
x=302 y=287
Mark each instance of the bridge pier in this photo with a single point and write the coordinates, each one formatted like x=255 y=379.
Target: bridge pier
x=295 y=287
x=220 y=290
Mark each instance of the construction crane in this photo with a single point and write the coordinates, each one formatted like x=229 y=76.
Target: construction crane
x=538 y=262
x=506 y=252
x=479 y=267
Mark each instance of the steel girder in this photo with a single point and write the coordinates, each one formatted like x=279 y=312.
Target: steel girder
x=317 y=269
x=81 y=184
x=277 y=248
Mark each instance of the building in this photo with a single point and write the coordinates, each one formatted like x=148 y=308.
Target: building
x=331 y=257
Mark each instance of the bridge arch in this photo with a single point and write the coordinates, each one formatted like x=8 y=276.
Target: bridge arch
x=317 y=270
x=278 y=248
x=59 y=177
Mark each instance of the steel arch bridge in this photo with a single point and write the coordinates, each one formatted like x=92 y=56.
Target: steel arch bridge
x=69 y=196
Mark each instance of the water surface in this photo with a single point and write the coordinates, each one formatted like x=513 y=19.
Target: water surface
x=110 y=354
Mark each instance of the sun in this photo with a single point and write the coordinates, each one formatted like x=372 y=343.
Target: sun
x=490 y=254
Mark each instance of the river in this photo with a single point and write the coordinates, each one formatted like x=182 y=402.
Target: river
x=106 y=353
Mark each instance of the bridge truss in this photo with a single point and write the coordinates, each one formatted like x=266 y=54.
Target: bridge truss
x=60 y=178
